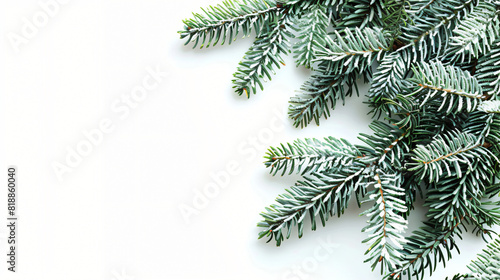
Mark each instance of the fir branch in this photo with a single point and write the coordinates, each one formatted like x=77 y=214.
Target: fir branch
x=299 y=6
x=488 y=71
x=312 y=34
x=311 y=155
x=319 y=94
x=430 y=123
x=226 y=20
x=428 y=33
x=384 y=148
x=318 y=194
x=361 y=13
x=322 y=193
x=456 y=89
x=476 y=32
x=485 y=122
x=425 y=248
x=488 y=213
x=445 y=154
x=490 y=107
x=386 y=83
x=487 y=265
x=417 y=6
x=395 y=16
x=453 y=197
x=386 y=223
x=357 y=49
x=260 y=60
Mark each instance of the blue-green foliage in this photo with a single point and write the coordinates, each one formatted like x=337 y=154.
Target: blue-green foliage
x=434 y=69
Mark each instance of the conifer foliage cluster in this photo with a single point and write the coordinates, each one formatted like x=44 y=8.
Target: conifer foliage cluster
x=434 y=73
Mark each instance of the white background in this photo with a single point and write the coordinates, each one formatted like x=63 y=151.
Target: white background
x=116 y=214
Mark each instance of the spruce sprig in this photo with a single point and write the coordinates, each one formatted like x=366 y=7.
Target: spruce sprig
x=433 y=69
